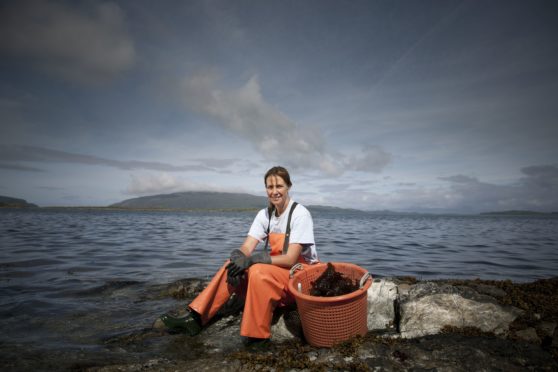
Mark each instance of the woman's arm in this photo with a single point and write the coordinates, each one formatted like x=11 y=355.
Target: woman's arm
x=289 y=259
x=249 y=245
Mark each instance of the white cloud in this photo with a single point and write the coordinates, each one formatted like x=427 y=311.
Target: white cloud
x=164 y=183
x=85 y=45
x=245 y=112
x=537 y=190
x=373 y=159
x=155 y=184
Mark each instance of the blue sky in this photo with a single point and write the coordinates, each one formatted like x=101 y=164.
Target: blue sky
x=403 y=105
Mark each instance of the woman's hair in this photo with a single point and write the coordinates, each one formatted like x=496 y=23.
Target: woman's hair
x=281 y=172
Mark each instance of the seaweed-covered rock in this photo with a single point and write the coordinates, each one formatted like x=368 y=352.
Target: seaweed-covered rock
x=528 y=335
x=459 y=343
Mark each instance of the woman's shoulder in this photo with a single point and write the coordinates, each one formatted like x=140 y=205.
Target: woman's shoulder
x=301 y=210
x=263 y=213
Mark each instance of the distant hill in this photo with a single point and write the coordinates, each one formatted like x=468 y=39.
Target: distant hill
x=195 y=200
x=8 y=202
x=515 y=213
x=317 y=209
x=206 y=200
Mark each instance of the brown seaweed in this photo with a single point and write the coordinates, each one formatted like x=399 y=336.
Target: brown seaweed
x=332 y=283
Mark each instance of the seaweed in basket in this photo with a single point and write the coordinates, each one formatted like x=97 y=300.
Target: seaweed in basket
x=332 y=283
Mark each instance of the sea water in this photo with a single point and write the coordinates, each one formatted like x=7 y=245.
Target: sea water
x=72 y=278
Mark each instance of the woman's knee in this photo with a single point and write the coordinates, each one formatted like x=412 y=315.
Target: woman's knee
x=265 y=273
x=258 y=270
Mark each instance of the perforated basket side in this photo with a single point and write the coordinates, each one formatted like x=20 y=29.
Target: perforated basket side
x=329 y=320
x=325 y=325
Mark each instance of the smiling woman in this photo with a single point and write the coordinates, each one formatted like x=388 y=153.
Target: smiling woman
x=261 y=277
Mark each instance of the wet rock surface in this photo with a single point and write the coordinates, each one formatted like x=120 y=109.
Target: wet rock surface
x=429 y=306
x=382 y=296
x=527 y=339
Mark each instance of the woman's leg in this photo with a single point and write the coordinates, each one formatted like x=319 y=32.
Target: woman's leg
x=215 y=295
x=267 y=286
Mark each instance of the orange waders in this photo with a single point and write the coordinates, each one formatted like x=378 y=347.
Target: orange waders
x=266 y=287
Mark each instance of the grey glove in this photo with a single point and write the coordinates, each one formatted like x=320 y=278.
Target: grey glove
x=234 y=280
x=236 y=253
x=241 y=263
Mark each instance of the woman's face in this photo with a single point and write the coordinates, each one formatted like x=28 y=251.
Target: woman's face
x=277 y=191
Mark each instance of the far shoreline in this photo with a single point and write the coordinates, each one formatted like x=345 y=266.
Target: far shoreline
x=315 y=208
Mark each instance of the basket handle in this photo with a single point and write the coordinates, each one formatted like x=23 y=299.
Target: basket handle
x=364 y=278
x=295 y=267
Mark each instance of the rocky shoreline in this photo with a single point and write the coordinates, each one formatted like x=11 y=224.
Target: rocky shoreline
x=441 y=325
x=450 y=325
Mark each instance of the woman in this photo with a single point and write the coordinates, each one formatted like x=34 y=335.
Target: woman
x=261 y=277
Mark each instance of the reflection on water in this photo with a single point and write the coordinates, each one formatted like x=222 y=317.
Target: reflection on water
x=71 y=278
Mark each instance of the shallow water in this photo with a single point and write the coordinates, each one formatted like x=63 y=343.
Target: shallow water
x=72 y=279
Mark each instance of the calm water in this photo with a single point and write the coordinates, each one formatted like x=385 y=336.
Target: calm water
x=70 y=279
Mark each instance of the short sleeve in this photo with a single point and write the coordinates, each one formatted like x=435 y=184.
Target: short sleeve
x=302 y=228
x=258 y=230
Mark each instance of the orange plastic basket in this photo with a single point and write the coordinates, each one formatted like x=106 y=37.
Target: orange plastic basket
x=329 y=320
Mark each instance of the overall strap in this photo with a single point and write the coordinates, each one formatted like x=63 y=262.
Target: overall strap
x=288 y=233
x=270 y=210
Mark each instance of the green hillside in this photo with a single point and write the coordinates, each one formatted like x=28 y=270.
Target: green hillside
x=9 y=202
x=195 y=200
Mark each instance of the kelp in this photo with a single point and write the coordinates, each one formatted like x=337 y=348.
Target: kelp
x=332 y=283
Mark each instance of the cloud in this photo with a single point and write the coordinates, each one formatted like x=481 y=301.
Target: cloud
x=543 y=178
x=163 y=183
x=245 y=112
x=459 y=179
x=217 y=163
x=373 y=159
x=155 y=184
x=537 y=190
x=16 y=153
x=19 y=167
x=86 y=45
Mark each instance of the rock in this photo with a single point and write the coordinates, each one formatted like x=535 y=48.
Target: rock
x=279 y=331
x=528 y=335
x=429 y=306
x=381 y=312
x=288 y=325
x=158 y=324
x=421 y=309
x=490 y=290
x=547 y=328
x=555 y=339
x=186 y=288
x=403 y=289
x=221 y=336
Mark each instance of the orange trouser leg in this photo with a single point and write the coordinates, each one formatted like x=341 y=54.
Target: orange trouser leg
x=267 y=285
x=215 y=295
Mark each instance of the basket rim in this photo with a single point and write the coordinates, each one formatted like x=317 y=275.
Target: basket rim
x=333 y=299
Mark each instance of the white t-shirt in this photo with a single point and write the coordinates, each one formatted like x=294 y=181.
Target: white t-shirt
x=302 y=229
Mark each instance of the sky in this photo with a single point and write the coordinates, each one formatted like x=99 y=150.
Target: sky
x=428 y=106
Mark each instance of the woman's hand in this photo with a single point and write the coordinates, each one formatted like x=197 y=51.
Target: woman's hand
x=241 y=263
